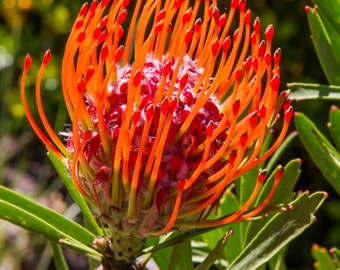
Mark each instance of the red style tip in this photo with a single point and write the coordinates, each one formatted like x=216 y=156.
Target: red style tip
x=215 y=47
x=244 y=139
x=198 y=25
x=90 y=72
x=167 y=68
x=136 y=117
x=232 y=156
x=187 y=16
x=257 y=25
x=47 y=57
x=222 y=20
x=277 y=56
x=79 y=23
x=247 y=17
x=81 y=85
x=104 y=52
x=226 y=44
x=28 y=62
x=122 y=16
x=289 y=114
x=137 y=78
x=210 y=129
x=242 y=5
x=188 y=36
x=84 y=10
x=161 y=15
x=119 y=53
x=239 y=74
x=262 y=176
x=269 y=33
x=253 y=119
x=275 y=82
x=263 y=112
x=81 y=37
x=234 y=4
x=236 y=107
x=262 y=48
x=183 y=81
x=279 y=172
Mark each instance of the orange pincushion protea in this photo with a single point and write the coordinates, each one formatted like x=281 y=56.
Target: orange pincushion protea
x=166 y=113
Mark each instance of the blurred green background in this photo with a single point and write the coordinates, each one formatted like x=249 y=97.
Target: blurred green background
x=36 y=25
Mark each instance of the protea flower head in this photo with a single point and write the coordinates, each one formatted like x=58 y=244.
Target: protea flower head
x=167 y=110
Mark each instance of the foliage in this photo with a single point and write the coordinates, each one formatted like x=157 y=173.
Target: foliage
x=231 y=250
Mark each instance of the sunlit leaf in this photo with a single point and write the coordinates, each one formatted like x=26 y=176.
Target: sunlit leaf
x=34 y=215
x=326 y=41
x=305 y=91
x=319 y=149
x=279 y=231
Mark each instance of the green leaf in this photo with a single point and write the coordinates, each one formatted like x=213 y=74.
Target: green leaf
x=326 y=41
x=283 y=194
x=323 y=258
x=41 y=220
x=215 y=254
x=74 y=192
x=279 y=231
x=334 y=125
x=58 y=257
x=330 y=9
x=181 y=256
x=305 y=91
x=336 y=255
x=319 y=149
x=28 y=207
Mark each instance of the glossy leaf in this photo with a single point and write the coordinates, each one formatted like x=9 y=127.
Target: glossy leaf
x=326 y=41
x=305 y=91
x=75 y=194
x=319 y=149
x=279 y=231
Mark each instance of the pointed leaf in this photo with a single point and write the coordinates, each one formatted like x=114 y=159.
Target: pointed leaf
x=305 y=91
x=75 y=194
x=277 y=233
x=334 y=125
x=316 y=144
x=283 y=194
x=214 y=255
x=34 y=211
x=326 y=44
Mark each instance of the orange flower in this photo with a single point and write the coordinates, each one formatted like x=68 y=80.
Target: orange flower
x=167 y=110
